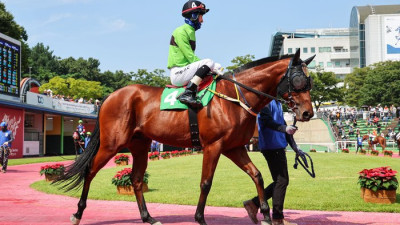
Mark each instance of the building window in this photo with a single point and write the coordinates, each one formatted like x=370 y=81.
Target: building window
x=321 y=64
x=311 y=65
x=289 y=50
x=325 y=49
x=337 y=64
x=312 y=49
x=329 y=64
x=305 y=50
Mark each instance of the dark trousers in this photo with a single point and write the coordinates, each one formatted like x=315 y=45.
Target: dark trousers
x=358 y=147
x=277 y=164
x=4 y=152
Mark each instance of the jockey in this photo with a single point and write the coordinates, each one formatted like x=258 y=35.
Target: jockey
x=186 y=68
x=80 y=128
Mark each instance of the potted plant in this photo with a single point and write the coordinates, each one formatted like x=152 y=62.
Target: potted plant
x=313 y=150
x=363 y=151
x=387 y=153
x=124 y=183
x=374 y=152
x=165 y=155
x=378 y=185
x=51 y=172
x=345 y=150
x=121 y=160
x=154 y=155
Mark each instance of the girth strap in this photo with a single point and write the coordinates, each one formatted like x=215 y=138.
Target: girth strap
x=194 y=129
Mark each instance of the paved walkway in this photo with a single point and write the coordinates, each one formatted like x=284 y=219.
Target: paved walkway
x=19 y=204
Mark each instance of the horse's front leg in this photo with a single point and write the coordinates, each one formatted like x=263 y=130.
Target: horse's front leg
x=210 y=160
x=240 y=157
x=139 y=149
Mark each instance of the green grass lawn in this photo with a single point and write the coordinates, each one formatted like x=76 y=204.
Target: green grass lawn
x=176 y=181
x=21 y=161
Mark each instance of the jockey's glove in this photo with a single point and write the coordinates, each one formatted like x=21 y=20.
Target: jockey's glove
x=218 y=69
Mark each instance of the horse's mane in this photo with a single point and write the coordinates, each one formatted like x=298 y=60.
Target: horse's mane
x=261 y=62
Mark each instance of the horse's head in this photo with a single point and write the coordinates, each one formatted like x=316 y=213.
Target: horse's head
x=295 y=87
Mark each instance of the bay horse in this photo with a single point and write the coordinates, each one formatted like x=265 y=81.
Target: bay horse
x=131 y=118
x=377 y=140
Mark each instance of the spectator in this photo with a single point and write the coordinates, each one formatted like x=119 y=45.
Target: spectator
x=6 y=138
x=154 y=146
x=351 y=131
x=378 y=127
x=87 y=138
x=359 y=143
x=355 y=122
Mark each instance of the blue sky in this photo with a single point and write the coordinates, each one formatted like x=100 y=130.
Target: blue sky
x=134 y=34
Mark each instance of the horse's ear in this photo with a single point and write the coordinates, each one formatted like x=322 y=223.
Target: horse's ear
x=296 y=58
x=309 y=60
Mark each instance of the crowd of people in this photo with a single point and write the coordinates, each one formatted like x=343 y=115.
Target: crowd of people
x=68 y=98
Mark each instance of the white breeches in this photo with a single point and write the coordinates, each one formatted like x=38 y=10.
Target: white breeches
x=180 y=76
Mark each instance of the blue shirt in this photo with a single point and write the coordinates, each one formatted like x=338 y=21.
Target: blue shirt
x=87 y=140
x=359 y=140
x=269 y=119
x=5 y=137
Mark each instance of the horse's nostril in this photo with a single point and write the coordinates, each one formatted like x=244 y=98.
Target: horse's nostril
x=306 y=115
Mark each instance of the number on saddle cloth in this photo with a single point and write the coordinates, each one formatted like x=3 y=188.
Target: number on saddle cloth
x=170 y=94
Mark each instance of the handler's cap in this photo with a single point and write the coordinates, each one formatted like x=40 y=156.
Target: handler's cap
x=80 y=121
x=3 y=124
x=89 y=133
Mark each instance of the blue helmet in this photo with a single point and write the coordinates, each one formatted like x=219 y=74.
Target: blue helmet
x=3 y=124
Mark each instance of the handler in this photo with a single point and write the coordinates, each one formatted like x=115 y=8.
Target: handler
x=272 y=131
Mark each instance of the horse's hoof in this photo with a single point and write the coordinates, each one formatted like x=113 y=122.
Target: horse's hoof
x=265 y=222
x=74 y=220
x=157 y=223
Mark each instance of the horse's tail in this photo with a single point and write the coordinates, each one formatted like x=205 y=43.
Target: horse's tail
x=79 y=170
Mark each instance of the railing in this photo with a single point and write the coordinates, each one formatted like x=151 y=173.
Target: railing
x=325 y=118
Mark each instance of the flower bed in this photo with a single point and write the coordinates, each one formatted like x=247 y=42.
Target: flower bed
x=121 y=159
x=154 y=155
x=387 y=153
x=124 y=184
x=165 y=155
x=313 y=150
x=378 y=185
x=374 y=152
x=175 y=153
x=345 y=150
x=363 y=151
x=51 y=172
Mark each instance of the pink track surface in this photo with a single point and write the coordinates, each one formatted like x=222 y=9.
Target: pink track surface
x=19 y=204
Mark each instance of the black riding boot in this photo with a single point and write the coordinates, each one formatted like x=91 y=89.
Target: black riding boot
x=189 y=96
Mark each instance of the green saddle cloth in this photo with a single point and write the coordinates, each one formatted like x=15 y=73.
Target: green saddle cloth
x=169 y=97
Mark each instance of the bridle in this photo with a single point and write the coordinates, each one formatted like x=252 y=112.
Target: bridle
x=294 y=80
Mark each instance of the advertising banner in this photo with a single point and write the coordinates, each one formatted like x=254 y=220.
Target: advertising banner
x=73 y=107
x=15 y=120
x=39 y=100
x=392 y=37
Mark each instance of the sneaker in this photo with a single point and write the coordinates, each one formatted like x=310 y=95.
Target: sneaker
x=282 y=222
x=252 y=210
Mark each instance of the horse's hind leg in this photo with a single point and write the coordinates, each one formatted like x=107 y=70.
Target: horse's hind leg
x=99 y=161
x=139 y=149
x=240 y=157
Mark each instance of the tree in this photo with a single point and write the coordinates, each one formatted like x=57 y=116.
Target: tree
x=42 y=62
x=75 y=88
x=353 y=83
x=325 y=88
x=382 y=84
x=155 y=78
x=9 y=27
x=239 y=61
x=81 y=68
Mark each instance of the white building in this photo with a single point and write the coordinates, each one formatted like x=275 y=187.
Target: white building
x=373 y=36
x=331 y=47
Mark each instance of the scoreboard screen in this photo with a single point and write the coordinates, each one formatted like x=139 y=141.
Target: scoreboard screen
x=10 y=67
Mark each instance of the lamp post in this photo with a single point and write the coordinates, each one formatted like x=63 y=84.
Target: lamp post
x=30 y=68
